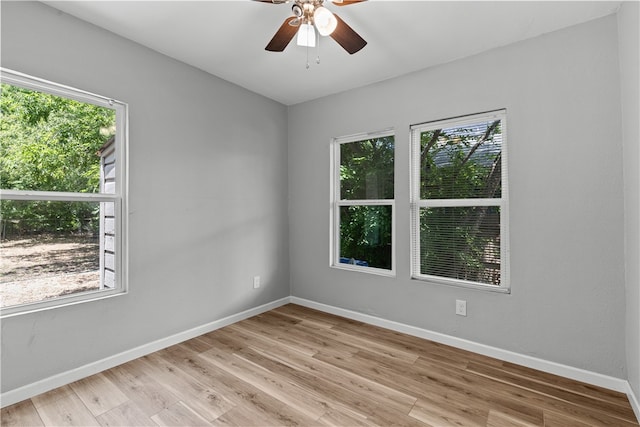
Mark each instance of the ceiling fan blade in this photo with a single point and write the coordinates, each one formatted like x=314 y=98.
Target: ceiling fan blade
x=283 y=36
x=347 y=37
x=273 y=1
x=344 y=2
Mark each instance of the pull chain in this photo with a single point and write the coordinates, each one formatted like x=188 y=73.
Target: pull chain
x=307 y=56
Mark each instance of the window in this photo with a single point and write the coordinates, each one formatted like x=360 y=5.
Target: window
x=459 y=201
x=362 y=203
x=62 y=195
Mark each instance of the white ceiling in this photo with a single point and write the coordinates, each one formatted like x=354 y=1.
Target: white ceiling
x=227 y=38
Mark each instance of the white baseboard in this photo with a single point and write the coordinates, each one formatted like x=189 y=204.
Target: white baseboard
x=578 y=374
x=30 y=390
x=633 y=399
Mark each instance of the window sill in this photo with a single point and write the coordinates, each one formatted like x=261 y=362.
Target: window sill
x=462 y=284
x=19 y=310
x=367 y=270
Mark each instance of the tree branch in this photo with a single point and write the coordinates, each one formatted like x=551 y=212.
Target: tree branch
x=481 y=141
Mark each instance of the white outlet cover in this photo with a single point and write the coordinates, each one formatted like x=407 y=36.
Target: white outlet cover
x=461 y=307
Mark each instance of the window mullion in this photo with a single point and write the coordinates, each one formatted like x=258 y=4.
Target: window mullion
x=57 y=196
x=431 y=203
x=368 y=202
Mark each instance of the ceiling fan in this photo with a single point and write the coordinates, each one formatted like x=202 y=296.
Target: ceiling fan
x=310 y=14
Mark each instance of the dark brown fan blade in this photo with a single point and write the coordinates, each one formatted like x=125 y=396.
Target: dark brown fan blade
x=343 y=2
x=347 y=37
x=283 y=36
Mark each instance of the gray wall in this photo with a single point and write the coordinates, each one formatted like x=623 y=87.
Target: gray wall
x=208 y=195
x=562 y=94
x=628 y=24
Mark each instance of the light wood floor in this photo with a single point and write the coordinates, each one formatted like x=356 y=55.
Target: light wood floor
x=297 y=366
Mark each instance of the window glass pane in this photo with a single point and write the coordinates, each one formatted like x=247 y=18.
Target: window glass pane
x=365 y=236
x=366 y=169
x=461 y=243
x=52 y=143
x=49 y=249
x=461 y=162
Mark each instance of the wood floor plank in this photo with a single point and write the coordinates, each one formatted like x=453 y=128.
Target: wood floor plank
x=250 y=417
x=179 y=414
x=126 y=415
x=342 y=417
x=359 y=385
x=277 y=337
x=310 y=314
x=268 y=382
x=585 y=389
x=331 y=339
x=20 y=414
x=197 y=345
x=413 y=381
x=419 y=346
x=499 y=395
x=334 y=395
x=146 y=393
x=98 y=393
x=305 y=317
x=67 y=411
x=253 y=407
x=475 y=391
x=51 y=396
x=500 y=419
x=546 y=403
x=367 y=369
x=295 y=366
x=264 y=415
x=441 y=412
x=554 y=419
x=203 y=398
x=317 y=340
x=463 y=393
x=625 y=413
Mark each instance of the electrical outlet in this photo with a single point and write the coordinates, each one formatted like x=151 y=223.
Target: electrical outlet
x=461 y=307
x=256 y=282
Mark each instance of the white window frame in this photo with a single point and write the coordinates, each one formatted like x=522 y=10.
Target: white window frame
x=416 y=203
x=118 y=198
x=336 y=203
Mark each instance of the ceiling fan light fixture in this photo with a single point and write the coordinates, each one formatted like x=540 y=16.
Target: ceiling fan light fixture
x=309 y=16
x=325 y=21
x=306 y=35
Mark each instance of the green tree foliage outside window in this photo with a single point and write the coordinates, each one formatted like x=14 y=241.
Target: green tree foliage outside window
x=50 y=143
x=461 y=242
x=365 y=235
x=366 y=169
x=366 y=174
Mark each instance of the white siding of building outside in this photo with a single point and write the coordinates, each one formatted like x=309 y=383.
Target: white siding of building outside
x=107 y=216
